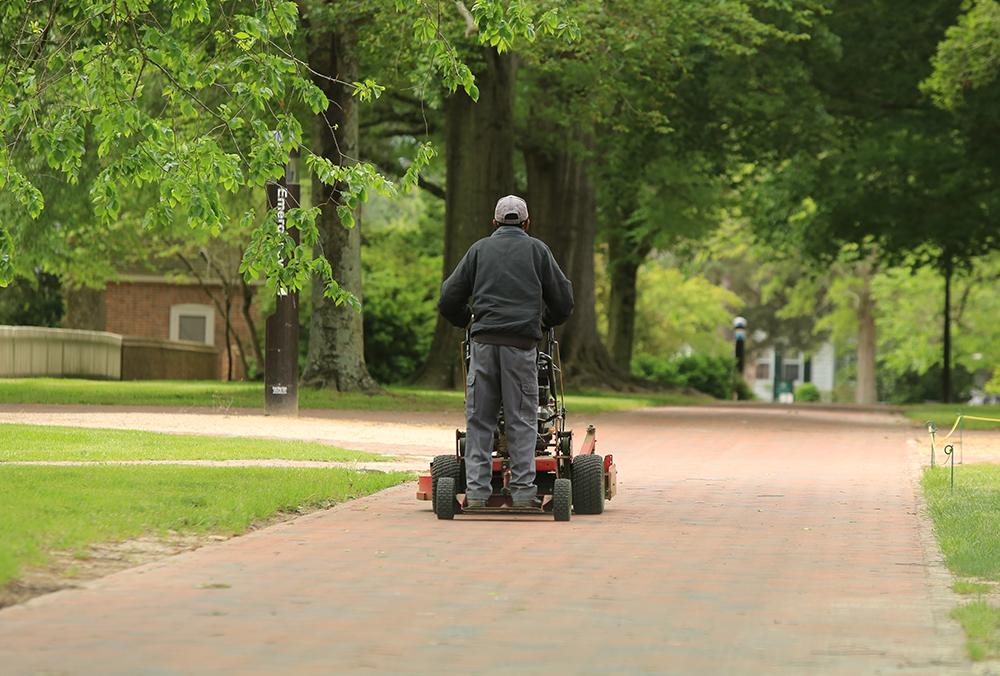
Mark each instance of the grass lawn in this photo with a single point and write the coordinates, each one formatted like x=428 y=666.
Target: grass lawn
x=45 y=508
x=945 y=415
x=967 y=525
x=23 y=443
x=224 y=395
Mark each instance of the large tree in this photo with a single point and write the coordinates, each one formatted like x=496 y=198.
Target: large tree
x=335 y=358
x=190 y=100
x=900 y=180
x=479 y=151
x=614 y=111
x=187 y=102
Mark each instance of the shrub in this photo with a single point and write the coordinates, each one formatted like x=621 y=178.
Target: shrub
x=913 y=387
x=715 y=376
x=402 y=280
x=806 y=392
x=32 y=302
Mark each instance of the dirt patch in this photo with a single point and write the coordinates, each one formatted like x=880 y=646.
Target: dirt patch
x=68 y=570
x=71 y=570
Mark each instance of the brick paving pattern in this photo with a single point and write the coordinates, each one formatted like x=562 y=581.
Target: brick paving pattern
x=776 y=541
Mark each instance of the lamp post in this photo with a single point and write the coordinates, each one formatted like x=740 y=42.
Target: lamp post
x=281 y=329
x=740 y=334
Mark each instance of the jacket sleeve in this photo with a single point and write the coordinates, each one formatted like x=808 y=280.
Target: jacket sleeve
x=557 y=292
x=455 y=291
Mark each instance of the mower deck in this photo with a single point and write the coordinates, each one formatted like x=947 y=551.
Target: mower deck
x=503 y=510
x=499 y=504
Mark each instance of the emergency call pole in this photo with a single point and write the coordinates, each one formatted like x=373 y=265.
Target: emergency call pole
x=740 y=334
x=281 y=329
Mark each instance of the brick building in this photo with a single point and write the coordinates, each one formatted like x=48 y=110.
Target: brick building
x=178 y=302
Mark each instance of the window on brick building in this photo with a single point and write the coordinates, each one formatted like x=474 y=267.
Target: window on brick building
x=193 y=322
x=191 y=328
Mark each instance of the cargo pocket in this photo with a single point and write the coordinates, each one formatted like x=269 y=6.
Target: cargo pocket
x=529 y=402
x=470 y=392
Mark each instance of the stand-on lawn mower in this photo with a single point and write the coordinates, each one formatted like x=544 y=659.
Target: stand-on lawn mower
x=566 y=482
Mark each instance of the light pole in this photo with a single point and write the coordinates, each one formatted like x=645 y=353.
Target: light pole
x=281 y=329
x=740 y=333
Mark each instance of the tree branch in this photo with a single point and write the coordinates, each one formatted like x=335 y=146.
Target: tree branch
x=470 y=22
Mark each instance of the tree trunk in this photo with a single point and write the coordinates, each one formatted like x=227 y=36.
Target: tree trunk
x=336 y=358
x=479 y=155
x=258 y=354
x=564 y=215
x=866 y=391
x=624 y=259
x=946 y=367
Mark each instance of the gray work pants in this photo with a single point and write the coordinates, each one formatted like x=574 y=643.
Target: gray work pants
x=501 y=374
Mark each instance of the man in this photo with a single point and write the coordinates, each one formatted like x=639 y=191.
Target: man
x=508 y=275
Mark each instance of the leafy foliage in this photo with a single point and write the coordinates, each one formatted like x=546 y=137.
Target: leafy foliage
x=917 y=387
x=401 y=260
x=32 y=302
x=676 y=312
x=189 y=101
x=498 y=24
x=967 y=58
x=715 y=376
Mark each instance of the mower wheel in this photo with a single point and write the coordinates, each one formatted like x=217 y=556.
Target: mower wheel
x=562 y=499
x=443 y=465
x=444 y=498
x=588 y=484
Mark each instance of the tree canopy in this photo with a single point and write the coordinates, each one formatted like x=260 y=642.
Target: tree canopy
x=193 y=100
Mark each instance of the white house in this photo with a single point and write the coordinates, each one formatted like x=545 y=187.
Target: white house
x=776 y=375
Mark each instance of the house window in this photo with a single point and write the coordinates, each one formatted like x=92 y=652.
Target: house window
x=190 y=327
x=193 y=322
x=763 y=371
x=791 y=372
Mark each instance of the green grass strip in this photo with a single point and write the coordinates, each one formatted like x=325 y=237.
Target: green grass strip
x=208 y=394
x=968 y=587
x=981 y=621
x=23 y=443
x=966 y=519
x=45 y=508
x=242 y=395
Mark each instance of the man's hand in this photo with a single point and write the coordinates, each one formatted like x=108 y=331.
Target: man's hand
x=470 y=317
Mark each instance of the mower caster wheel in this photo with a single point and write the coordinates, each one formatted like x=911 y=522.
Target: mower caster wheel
x=562 y=499
x=444 y=498
x=443 y=466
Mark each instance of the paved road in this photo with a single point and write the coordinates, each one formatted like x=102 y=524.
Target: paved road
x=743 y=541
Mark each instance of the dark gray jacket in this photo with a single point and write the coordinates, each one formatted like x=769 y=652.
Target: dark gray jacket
x=508 y=275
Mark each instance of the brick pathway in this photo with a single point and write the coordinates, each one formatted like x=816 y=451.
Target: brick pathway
x=743 y=541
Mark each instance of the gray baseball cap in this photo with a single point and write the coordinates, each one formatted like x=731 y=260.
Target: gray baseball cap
x=511 y=210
